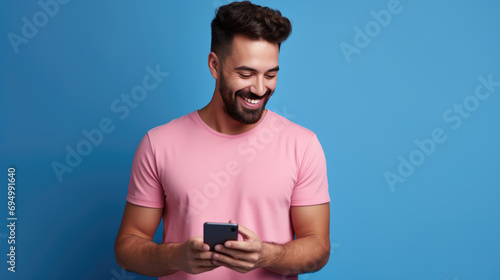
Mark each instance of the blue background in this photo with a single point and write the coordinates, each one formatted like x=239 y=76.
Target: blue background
x=367 y=108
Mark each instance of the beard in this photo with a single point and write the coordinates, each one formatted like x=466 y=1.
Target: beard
x=237 y=111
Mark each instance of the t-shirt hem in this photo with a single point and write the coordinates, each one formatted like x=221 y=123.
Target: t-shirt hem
x=144 y=203
x=309 y=202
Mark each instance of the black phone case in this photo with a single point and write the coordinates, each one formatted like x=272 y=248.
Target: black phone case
x=218 y=233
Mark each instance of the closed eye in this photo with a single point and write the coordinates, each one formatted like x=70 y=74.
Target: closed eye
x=245 y=76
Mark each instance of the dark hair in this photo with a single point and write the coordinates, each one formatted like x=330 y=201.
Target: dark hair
x=254 y=21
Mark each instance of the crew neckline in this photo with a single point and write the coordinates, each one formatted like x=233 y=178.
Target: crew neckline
x=200 y=121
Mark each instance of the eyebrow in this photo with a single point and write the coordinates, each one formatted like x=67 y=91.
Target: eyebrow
x=246 y=68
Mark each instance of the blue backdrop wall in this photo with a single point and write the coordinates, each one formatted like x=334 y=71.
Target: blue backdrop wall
x=404 y=96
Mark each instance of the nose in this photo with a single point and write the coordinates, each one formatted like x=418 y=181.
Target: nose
x=259 y=86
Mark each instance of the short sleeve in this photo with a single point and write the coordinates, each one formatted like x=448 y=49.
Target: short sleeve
x=145 y=188
x=312 y=181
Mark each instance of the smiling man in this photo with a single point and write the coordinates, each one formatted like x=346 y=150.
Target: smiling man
x=231 y=161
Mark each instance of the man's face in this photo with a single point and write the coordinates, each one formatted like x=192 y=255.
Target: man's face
x=248 y=78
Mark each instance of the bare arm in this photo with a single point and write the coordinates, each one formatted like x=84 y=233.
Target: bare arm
x=135 y=250
x=309 y=252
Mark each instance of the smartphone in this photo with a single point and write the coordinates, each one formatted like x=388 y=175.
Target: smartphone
x=219 y=233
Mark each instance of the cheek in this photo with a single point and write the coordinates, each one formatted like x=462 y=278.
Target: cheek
x=272 y=85
x=240 y=84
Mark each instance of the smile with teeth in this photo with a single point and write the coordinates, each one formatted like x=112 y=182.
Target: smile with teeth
x=252 y=101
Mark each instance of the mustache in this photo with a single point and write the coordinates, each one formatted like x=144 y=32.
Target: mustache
x=250 y=95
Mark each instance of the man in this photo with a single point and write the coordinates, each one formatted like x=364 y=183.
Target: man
x=231 y=161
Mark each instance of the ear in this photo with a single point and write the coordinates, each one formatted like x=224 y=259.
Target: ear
x=214 y=65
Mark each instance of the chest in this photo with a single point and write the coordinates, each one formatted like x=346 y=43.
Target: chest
x=211 y=176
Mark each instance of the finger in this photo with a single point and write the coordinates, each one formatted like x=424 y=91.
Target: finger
x=197 y=244
x=246 y=233
x=235 y=264
x=245 y=255
x=205 y=263
x=234 y=253
x=205 y=256
x=234 y=248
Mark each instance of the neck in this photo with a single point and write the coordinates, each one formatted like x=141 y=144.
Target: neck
x=216 y=118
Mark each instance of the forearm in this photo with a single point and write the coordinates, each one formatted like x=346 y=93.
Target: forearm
x=307 y=254
x=143 y=256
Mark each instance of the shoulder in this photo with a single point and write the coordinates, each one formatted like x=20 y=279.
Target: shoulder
x=174 y=125
x=174 y=129
x=288 y=128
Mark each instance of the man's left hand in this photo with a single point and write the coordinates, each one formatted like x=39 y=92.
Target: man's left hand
x=241 y=256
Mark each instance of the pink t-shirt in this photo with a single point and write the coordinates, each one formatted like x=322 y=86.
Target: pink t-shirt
x=199 y=175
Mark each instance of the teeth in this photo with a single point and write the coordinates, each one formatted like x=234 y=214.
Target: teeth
x=253 y=101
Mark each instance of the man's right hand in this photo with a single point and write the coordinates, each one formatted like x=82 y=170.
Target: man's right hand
x=195 y=256
x=135 y=251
